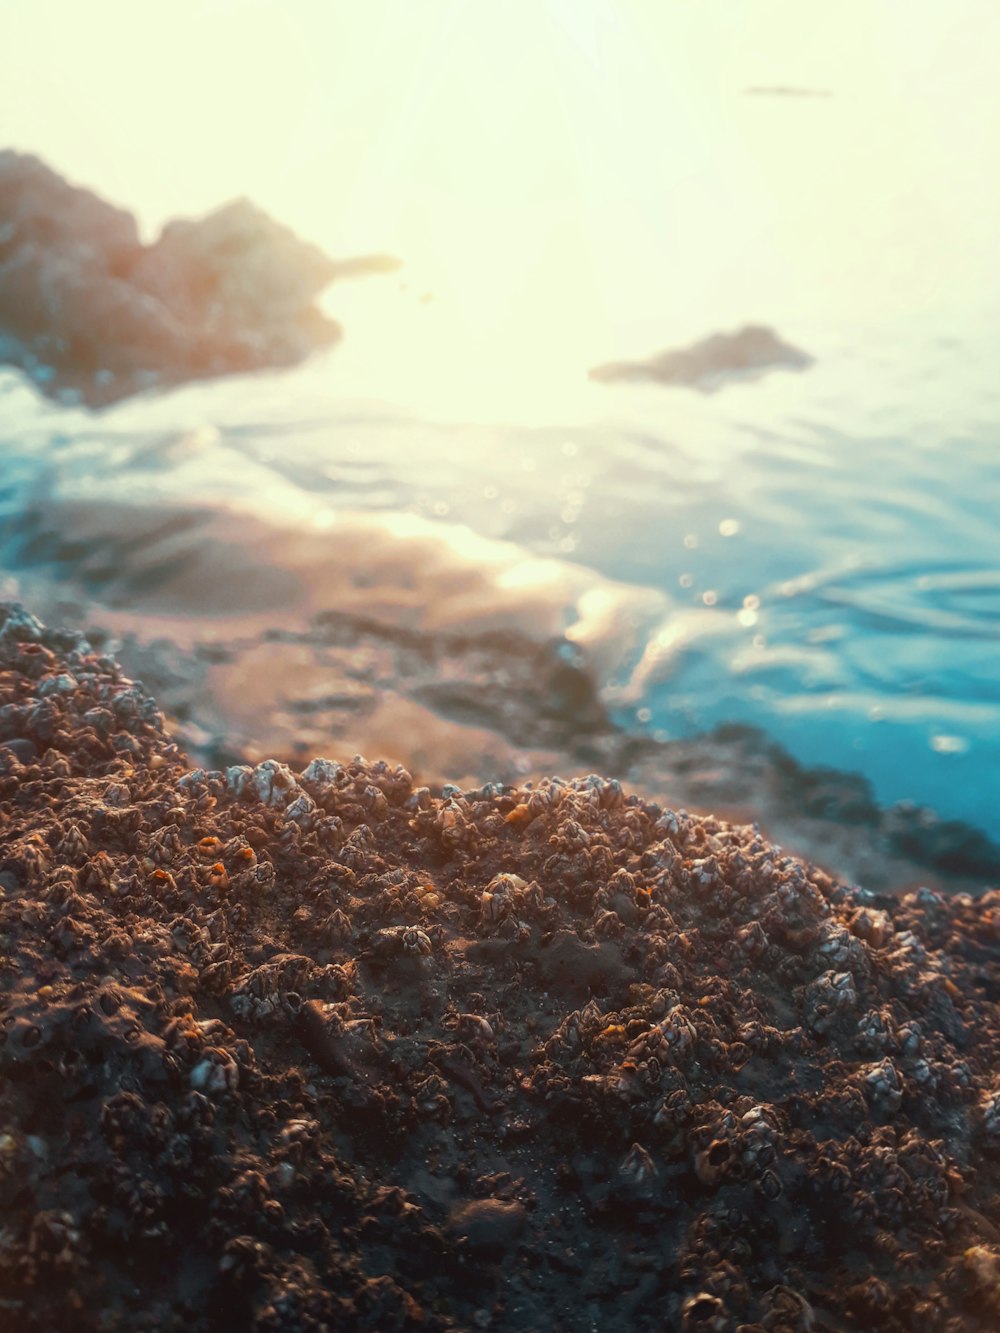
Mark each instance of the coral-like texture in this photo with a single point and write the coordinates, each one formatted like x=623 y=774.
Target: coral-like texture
x=316 y=1050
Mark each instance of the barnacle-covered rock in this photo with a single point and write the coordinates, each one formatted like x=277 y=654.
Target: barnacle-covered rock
x=550 y=1055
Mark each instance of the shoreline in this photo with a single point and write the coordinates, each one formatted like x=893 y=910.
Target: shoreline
x=461 y=711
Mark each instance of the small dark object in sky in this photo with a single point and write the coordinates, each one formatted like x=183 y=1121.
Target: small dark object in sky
x=786 y=90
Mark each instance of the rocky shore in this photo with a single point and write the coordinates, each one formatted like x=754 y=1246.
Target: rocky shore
x=321 y=1049
x=379 y=637
x=93 y=315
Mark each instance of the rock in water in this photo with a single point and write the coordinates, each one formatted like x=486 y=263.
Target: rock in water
x=38 y=206
x=308 y=1051
x=720 y=359
x=244 y=280
x=93 y=315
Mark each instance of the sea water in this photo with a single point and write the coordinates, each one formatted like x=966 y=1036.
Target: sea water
x=823 y=546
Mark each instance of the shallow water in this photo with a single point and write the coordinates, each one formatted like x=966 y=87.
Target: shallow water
x=814 y=553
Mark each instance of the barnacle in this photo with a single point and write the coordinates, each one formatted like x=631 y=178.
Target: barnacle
x=827 y=998
x=637 y=1171
x=401 y=941
x=215 y=1073
x=884 y=1086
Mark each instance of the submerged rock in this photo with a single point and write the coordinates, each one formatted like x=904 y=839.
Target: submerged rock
x=718 y=360
x=93 y=315
x=526 y=1057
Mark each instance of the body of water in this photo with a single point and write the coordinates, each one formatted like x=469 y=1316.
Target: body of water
x=809 y=553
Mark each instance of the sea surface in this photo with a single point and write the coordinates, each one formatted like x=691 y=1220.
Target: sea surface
x=816 y=553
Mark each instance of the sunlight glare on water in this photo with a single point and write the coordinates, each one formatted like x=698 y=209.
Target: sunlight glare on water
x=566 y=183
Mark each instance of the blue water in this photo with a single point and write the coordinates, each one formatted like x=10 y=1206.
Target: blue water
x=824 y=547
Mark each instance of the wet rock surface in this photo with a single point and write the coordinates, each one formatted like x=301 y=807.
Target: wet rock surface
x=92 y=315
x=715 y=361
x=318 y=1049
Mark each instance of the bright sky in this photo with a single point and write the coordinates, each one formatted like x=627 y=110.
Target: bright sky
x=573 y=179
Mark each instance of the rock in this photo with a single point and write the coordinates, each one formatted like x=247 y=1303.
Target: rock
x=945 y=844
x=776 y=1094
x=720 y=359
x=570 y=966
x=488 y=1225
x=37 y=205
x=90 y=312
x=246 y=281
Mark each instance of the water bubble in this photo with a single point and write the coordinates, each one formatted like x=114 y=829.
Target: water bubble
x=490 y=492
x=644 y=715
x=710 y=597
x=441 y=507
x=686 y=580
x=691 y=541
x=569 y=448
x=729 y=527
x=752 y=602
x=747 y=618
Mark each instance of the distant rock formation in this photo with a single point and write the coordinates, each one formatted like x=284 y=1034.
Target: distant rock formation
x=721 y=359
x=93 y=315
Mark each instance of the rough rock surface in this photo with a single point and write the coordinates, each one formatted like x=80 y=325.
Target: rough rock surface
x=720 y=359
x=93 y=315
x=316 y=1050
